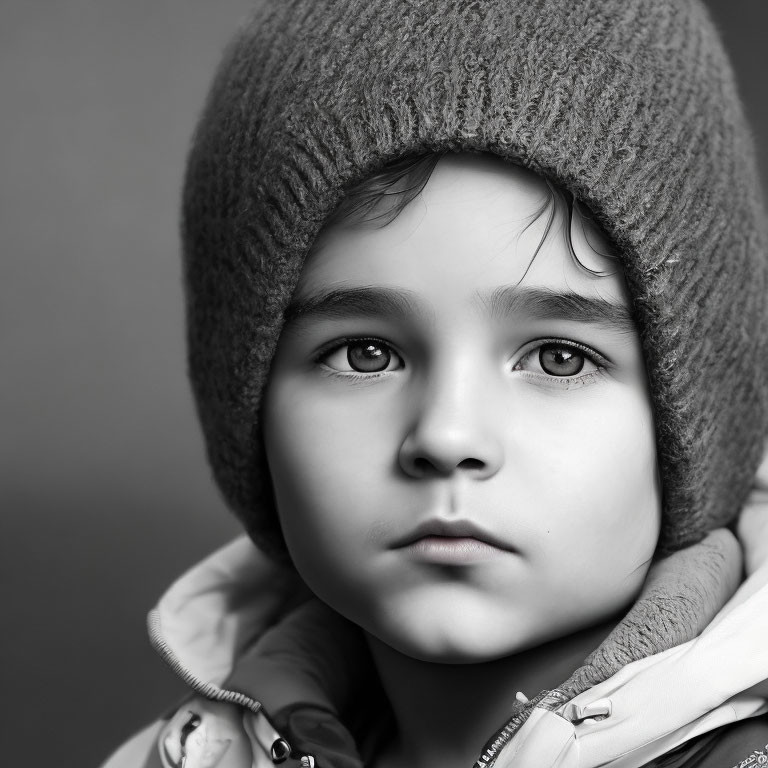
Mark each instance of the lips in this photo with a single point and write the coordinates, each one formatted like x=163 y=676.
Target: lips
x=451 y=535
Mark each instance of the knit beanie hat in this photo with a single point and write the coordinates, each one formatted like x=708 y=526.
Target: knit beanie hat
x=629 y=104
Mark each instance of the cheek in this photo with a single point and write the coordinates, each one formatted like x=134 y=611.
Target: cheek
x=327 y=475
x=323 y=452
x=597 y=486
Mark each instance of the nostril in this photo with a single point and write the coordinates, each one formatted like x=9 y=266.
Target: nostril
x=423 y=466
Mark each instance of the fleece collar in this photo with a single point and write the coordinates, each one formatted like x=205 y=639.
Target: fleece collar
x=209 y=619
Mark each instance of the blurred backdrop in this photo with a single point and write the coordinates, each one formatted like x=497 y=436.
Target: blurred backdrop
x=104 y=489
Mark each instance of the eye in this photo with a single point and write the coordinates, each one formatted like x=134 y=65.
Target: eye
x=362 y=356
x=560 y=359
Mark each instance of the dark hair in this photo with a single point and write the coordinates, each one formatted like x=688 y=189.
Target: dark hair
x=379 y=200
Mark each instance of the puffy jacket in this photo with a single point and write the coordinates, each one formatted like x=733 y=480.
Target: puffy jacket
x=213 y=628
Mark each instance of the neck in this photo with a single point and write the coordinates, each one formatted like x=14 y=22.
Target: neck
x=445 y=713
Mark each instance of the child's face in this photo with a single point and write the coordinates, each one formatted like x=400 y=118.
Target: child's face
x=464 y=461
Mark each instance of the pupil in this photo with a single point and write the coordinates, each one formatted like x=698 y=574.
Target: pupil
x=368 y=357
x=560 y=361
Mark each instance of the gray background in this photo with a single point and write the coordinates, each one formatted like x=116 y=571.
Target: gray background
x=104 y=492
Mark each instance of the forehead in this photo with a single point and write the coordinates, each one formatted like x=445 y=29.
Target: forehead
x=479 y=225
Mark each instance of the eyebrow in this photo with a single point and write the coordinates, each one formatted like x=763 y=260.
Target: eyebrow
x=503 y=302
x=546 y=304
x=365 y=301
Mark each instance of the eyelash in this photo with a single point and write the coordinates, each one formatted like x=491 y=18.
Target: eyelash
x=353 y=376
x=579 y=379
x=533 y=347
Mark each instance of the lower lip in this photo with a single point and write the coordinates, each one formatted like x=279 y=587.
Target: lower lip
x=452 y=550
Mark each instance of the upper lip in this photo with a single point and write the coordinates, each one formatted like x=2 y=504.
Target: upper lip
x=451 y=529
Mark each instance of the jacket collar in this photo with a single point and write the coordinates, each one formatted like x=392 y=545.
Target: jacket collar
x=206 y=622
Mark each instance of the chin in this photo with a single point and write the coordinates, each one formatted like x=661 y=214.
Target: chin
x=452 y=644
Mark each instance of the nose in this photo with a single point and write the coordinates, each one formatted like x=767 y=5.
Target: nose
x=453 y=430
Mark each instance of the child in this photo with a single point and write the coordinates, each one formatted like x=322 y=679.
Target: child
x=514 y=255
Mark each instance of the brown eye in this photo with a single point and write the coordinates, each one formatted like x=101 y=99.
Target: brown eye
x=368 y=356
x=560 y=360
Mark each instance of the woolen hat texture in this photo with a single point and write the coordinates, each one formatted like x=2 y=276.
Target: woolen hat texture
x=629 y=104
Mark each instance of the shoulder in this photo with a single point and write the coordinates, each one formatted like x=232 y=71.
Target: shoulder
x=139 y=751
x=739 y=745
x=201 y=732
